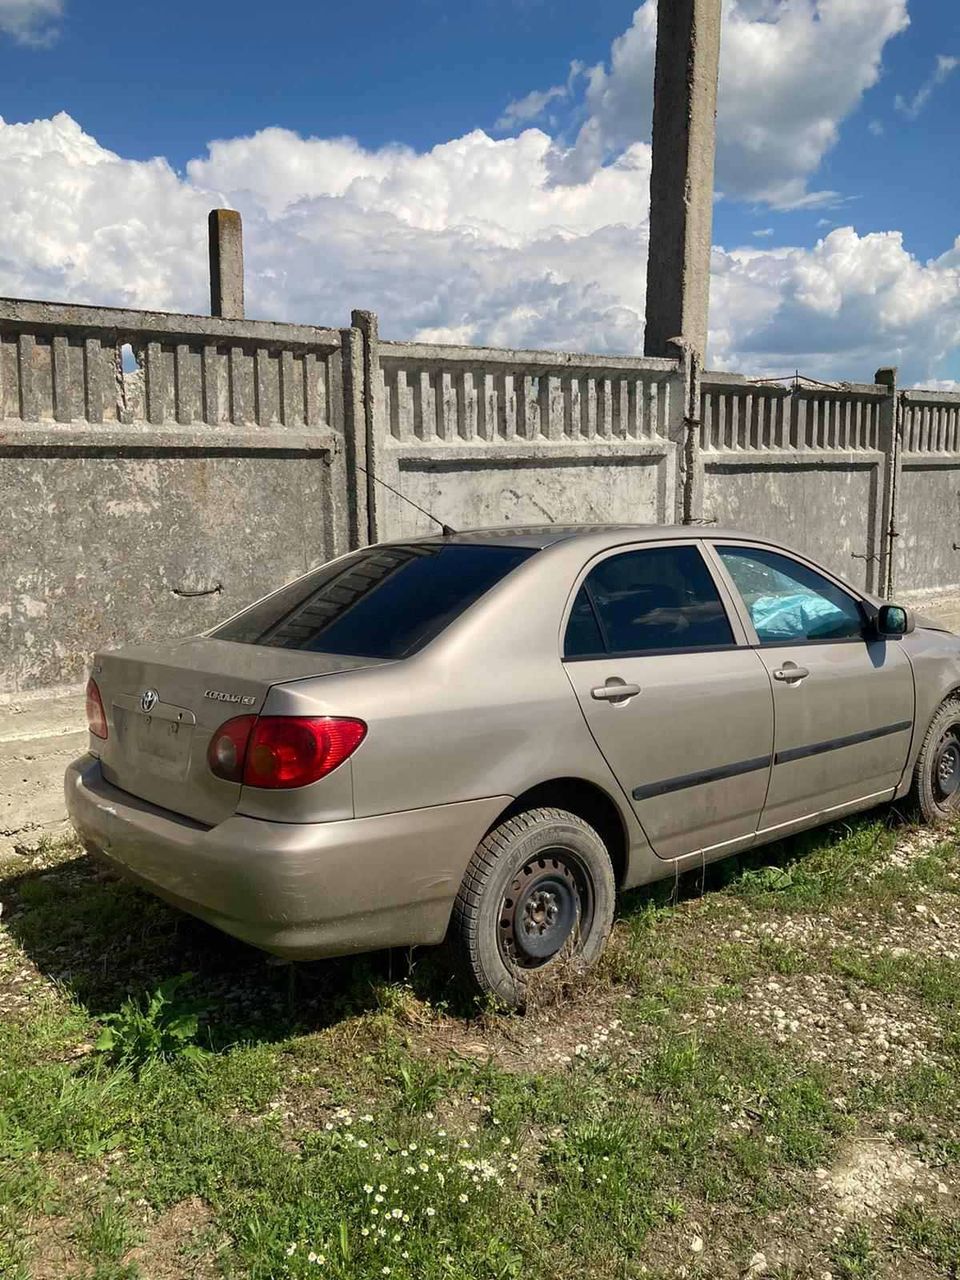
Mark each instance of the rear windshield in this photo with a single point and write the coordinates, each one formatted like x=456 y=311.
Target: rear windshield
x=383 y=602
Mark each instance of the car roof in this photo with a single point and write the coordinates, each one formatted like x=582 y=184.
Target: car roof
x=540 y=536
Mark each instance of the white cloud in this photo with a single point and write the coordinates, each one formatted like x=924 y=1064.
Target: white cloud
x=938 y=384
x=79 y=222
x=532 y=106
x=495 y=188
x=763 y=233
x=31 y=22
x=841 y=309
x=943 y=69
x=790 y=72
x=468 y=242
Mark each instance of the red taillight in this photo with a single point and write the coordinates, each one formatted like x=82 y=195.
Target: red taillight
x=282 y=751
x=96 y=717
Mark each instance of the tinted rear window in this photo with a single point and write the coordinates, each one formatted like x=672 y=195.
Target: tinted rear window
x=383 y=602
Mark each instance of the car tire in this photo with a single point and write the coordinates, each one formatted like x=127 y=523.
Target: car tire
x=936 y=775
x=536 y=905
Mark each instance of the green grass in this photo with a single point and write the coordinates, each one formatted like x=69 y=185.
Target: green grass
x=172 y=1103
x=931 y=1235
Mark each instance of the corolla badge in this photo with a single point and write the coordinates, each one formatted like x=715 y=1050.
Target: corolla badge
x=148 y=700
x=218 y=695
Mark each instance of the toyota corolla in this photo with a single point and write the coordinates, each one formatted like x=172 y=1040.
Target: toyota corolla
x=485 y=736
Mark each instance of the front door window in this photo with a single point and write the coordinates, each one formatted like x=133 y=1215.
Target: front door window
x=788 y=602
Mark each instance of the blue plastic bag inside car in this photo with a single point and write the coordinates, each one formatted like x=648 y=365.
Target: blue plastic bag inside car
x=798 y=616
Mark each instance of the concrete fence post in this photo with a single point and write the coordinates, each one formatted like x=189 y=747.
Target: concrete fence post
x=889 y=443
x=685 y=433
x=225 y=233
x=366 y=322
x=354 y=436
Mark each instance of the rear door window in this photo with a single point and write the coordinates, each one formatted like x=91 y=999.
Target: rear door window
x=652 y=600
x=382 y=602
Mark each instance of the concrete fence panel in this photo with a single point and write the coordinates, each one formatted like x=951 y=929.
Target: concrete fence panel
x=926 y=549
x=157 y=472
x=807 y=465
x=482 y=437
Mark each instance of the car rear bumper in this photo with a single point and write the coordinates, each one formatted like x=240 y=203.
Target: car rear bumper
x=298 y=890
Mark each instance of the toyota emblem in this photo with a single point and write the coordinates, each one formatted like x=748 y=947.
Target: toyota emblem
x=148 y=700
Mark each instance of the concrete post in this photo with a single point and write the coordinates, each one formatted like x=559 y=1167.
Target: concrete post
x=366 y=322
x=354 y=437
x=226 y=264
x=889 y=443
x=684 y=432
x=681 y=182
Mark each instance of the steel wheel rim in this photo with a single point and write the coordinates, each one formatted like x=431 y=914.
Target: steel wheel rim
x=946 y=768
x=549 y=901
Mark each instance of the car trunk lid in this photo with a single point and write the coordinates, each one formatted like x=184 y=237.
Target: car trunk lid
x=164 y=702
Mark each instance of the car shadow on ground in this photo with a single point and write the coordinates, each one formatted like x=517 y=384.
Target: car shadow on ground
x=102 y=940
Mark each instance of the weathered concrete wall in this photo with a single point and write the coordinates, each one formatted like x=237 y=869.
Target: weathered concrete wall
x=154 y=500
x=484 y=437
x=808 y=465
x=926 y=546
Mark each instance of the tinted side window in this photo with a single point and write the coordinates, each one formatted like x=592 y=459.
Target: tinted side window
x=584 y=637
x=658 y=598
x=789 y=602
x=384 y=602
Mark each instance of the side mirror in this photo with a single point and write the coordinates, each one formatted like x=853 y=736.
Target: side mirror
x=894 y=621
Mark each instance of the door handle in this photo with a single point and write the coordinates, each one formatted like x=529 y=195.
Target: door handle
x=615 y=690
x=790 y=673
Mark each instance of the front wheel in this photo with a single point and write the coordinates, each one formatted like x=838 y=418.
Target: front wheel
x=936 y=775
x=539 y=893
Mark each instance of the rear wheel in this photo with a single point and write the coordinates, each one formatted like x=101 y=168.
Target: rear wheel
x=936 y=776
x=536 y=903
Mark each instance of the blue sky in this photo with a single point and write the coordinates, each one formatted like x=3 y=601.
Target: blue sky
x=839 y=130
x=419 y=72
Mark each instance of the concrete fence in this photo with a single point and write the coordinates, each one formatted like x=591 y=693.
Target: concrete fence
x=481 y=437
x=812 y=465
x=159 y=471
x=926 y=519
x=154 y=498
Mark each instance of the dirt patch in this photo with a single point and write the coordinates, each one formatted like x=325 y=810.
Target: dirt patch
x=176 y=1244
x=545 y=1039
x=928 y=928
x=864 y=1033
x=54 y=1251
x=872 y=1177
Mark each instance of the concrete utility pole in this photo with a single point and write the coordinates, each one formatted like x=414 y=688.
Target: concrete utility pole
x=226 y=264
x=681 y=183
